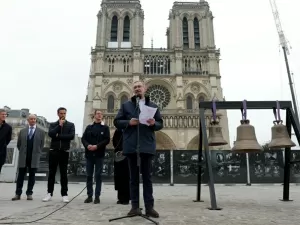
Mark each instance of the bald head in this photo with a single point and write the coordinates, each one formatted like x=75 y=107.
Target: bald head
x=31 y=119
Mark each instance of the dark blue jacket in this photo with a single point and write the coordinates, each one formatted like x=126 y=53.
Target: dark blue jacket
x=96 y=134
x=5 y=138
x=128 y=111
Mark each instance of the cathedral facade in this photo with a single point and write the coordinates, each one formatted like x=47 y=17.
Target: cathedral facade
x=177 y=77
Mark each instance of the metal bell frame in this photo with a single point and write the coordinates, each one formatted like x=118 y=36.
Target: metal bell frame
x=291 y=121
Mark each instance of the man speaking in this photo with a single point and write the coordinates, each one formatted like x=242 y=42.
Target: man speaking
x=127 y=119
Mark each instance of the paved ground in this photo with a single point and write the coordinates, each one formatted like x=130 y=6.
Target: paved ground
x=241 y=205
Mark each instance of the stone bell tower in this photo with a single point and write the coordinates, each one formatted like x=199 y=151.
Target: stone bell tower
x=116 y=56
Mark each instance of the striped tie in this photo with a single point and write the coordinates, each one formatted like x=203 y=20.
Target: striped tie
x=30 y=132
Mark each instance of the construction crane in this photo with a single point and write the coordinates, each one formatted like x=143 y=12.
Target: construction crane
x=285 y=48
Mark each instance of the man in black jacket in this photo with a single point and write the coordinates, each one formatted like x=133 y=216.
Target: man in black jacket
x=61 y=133
x=94 y=139
x=5 y=137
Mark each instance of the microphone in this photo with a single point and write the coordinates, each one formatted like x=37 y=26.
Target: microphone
x=138 y=98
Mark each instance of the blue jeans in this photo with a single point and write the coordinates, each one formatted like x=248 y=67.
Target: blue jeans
x=146 y=169
x=91 y=163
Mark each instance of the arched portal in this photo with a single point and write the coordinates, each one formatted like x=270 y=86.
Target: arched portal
x=193 y=144
x=163 y=141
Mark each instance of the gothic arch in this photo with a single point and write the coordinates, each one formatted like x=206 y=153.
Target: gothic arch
x=189 y=97
x=126 y=13
x=163 y=141
x=111 y=102
x=110 y=93
x=196 y=15
x=163 y=82
x=193 y=144
x=114 y=13
x=186 y=15
x=201 y=94
x=129 y=89
x=124 y=93
x=189 y=94
x=207 y=92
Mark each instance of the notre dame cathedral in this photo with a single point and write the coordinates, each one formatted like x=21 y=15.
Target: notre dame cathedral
x=177 y=77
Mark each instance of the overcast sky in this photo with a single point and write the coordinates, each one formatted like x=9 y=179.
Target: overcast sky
x=45 y=53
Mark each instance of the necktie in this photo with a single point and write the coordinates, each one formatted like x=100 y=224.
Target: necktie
x=30 y=132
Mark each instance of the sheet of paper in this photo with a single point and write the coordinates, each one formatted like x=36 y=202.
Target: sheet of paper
x=146 y=113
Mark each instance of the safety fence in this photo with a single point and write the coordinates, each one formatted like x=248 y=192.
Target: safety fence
x=181 y=167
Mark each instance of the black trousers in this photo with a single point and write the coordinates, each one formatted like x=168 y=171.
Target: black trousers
x=21 y=177
x=146 y=169
x=61 y=158
x=2 y=161
x=122 y=179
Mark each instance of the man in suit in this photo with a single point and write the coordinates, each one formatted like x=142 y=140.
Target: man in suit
x=62 y=132
x=95 y=139
x=30 y=144
x=5 y=137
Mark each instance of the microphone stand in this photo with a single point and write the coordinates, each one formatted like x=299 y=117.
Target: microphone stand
x=139 y=169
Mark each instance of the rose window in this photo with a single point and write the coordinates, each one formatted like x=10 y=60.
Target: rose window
x=159 y=95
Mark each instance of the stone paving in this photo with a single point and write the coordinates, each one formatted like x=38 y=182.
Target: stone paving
x=241 y=205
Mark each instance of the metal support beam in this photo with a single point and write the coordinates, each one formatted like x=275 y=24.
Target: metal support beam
x=295 y=124
x=250 y=105
x=211 y=182
x=200 y=149
x=287 y=160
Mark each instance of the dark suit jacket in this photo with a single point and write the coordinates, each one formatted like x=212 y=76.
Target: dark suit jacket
x=5 y=138
x=38 y=145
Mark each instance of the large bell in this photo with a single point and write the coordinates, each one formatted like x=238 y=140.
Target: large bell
x=215 y=135
x=280 y=137
x=246 y=139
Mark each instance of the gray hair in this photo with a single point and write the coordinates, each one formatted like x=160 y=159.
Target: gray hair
x=31 y=115
x=2 y=110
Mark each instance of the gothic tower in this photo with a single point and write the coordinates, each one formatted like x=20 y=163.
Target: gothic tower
x=116 y=55
x=177 y=77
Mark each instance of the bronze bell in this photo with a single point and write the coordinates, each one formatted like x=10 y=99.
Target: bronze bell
x=246 y=139
x=280 y=136
x=215 y=135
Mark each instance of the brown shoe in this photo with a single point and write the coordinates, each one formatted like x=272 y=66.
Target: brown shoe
x=134 y=212
x=29 y=197
x=152 y=213
x=16 y=198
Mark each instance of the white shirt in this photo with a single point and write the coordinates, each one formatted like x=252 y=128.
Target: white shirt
x=33 y=130
x=141 y=103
